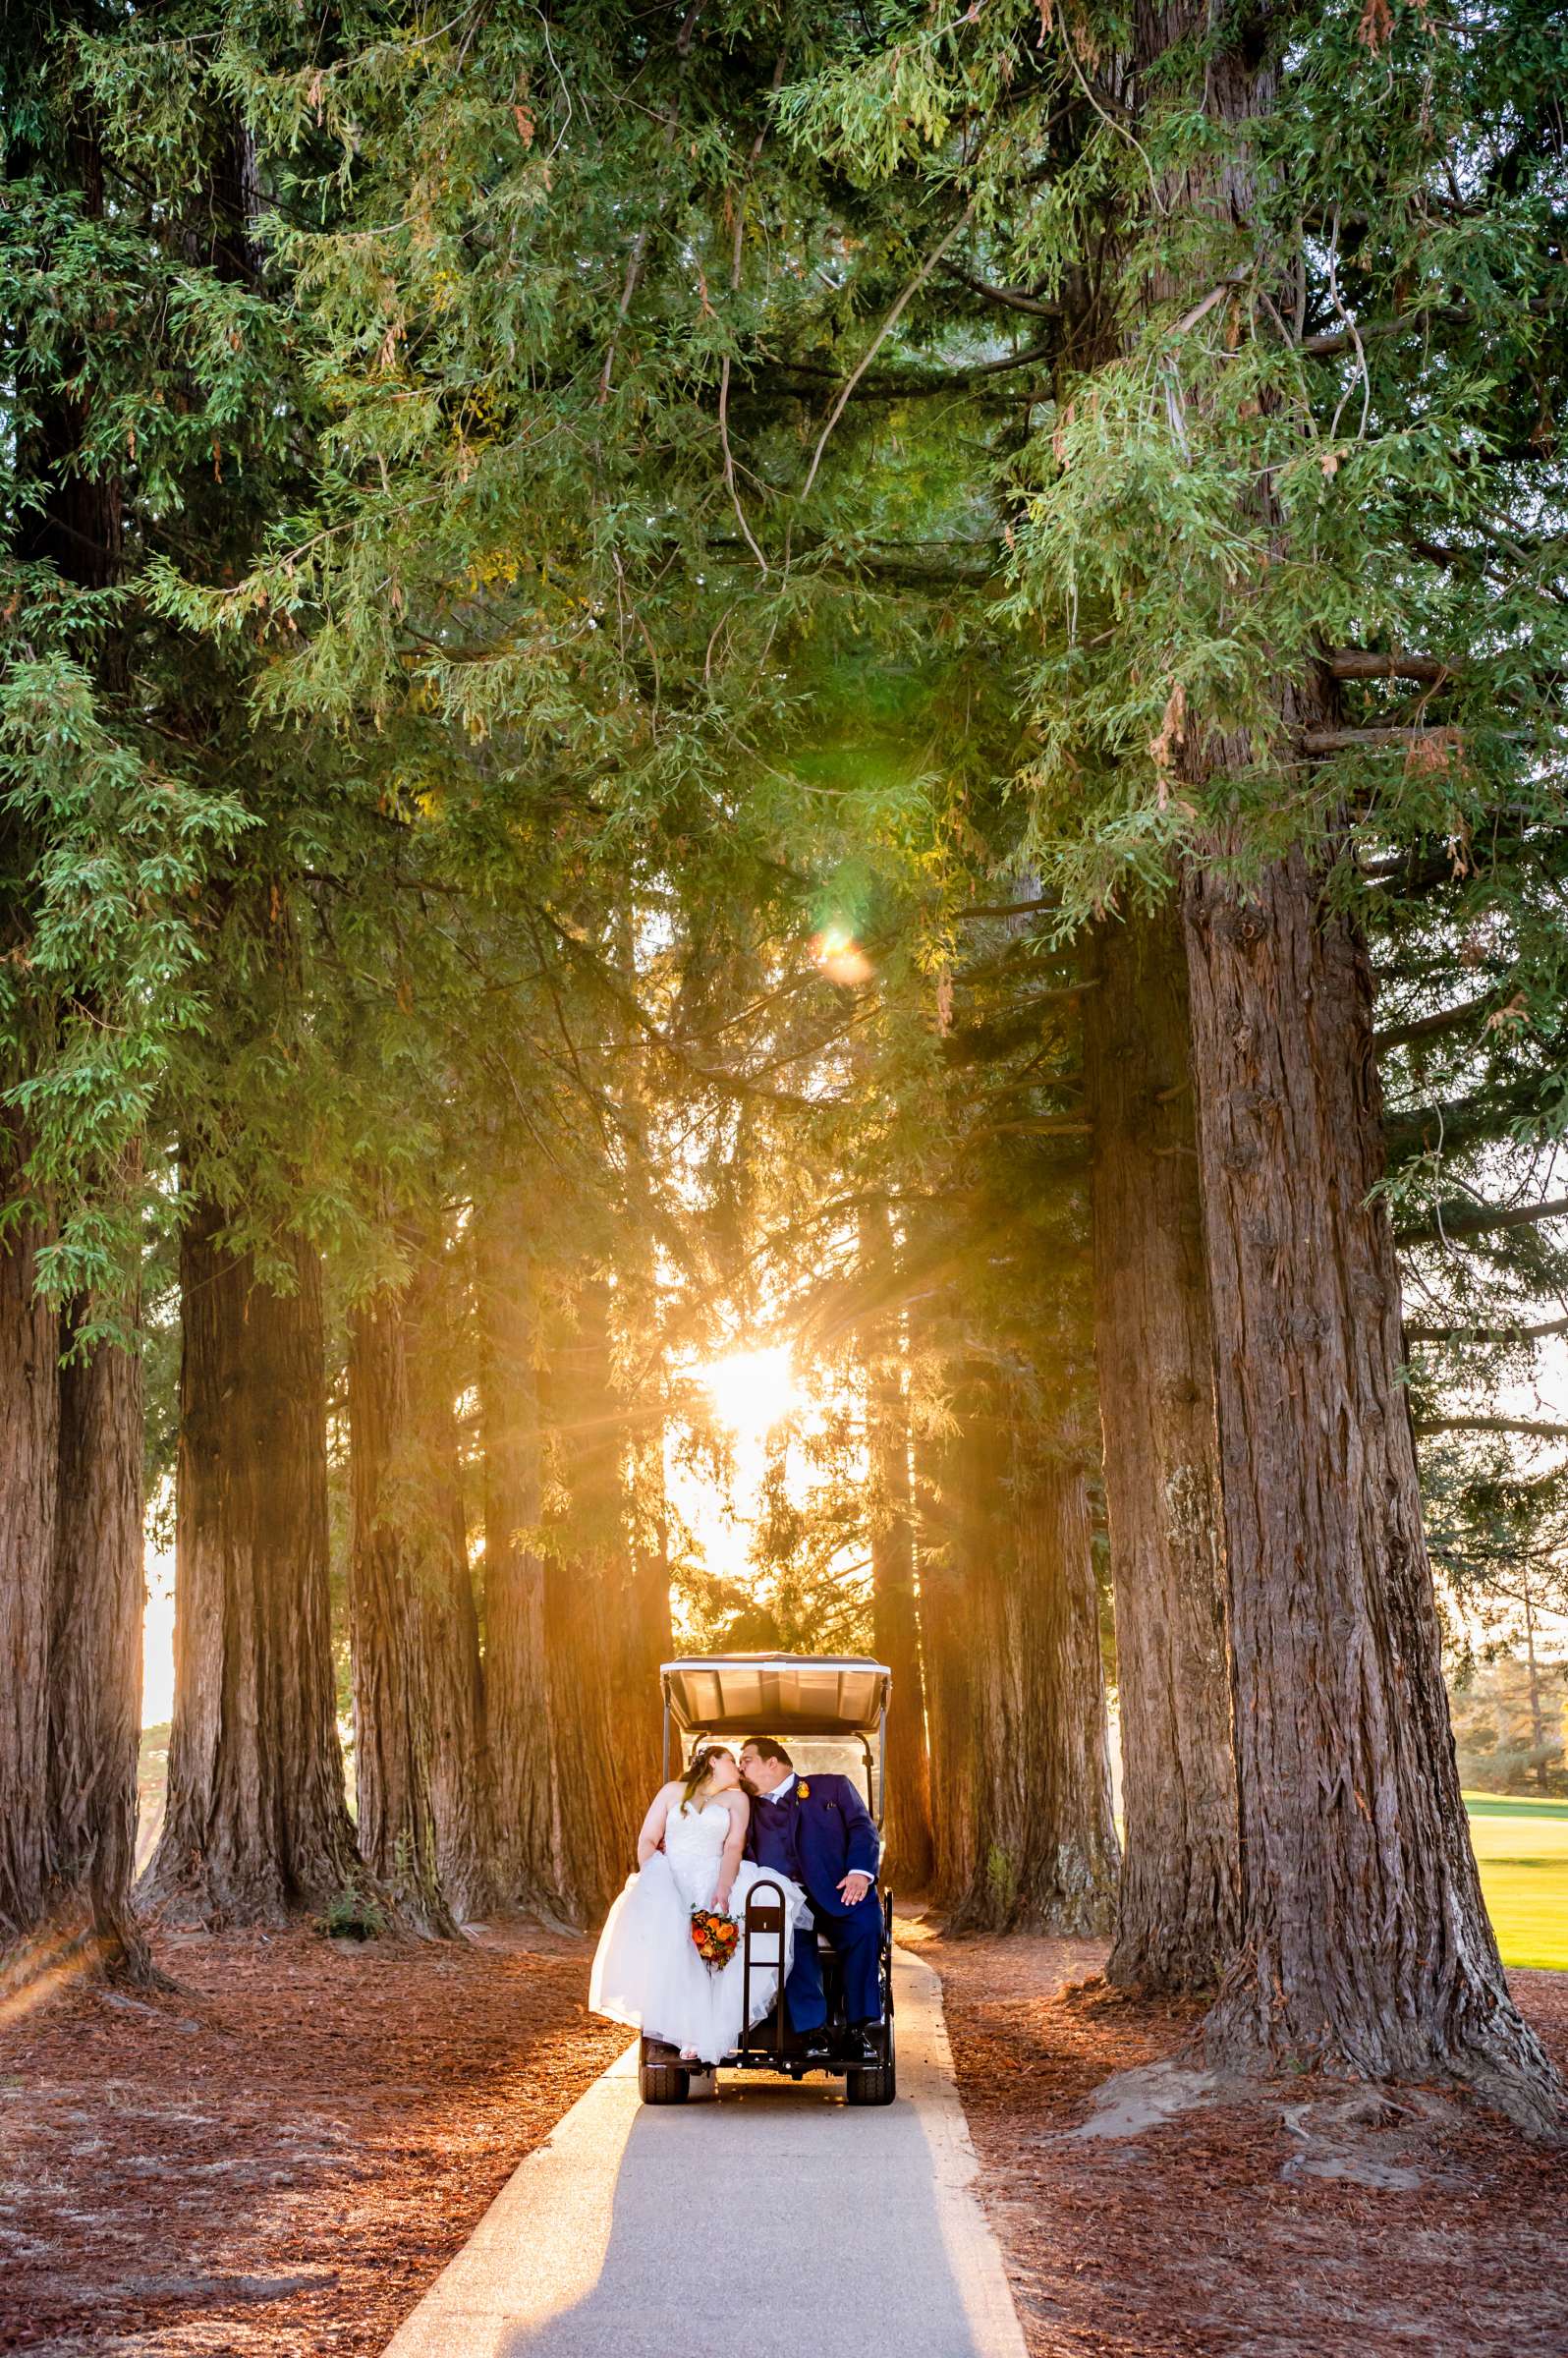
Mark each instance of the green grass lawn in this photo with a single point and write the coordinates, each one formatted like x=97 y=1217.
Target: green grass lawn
x=1522 y=1849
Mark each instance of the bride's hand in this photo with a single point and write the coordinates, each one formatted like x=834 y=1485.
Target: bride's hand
x=721 y=1899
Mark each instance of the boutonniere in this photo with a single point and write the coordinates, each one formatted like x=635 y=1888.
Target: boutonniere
x=803 y=1789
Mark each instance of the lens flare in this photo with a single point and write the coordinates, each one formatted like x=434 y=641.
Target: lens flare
x=840 y=956
x=752 y=1392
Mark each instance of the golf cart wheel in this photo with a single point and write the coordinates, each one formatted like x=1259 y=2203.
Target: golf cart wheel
x=664 y=2083
x=880 y=2085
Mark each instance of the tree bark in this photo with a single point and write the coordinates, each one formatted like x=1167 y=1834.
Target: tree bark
x=908 y=1853
x=435 y=1536
x=1365 y=1941
x=95 y=1656
x=516 y=1668
x=395 y=1706
x=30 y=1428
x=1025 y=1839
x=603 y=1632
x=69 y=1522
x=1178 y=1913
x=255 y=1826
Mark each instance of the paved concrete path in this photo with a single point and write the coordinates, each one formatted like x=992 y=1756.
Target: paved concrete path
x=774 y=2222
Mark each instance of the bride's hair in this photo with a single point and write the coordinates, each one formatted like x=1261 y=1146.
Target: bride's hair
x=701 y=1769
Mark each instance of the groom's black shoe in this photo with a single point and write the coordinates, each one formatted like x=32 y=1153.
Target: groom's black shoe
x=817 y=2048
x=862 y=2044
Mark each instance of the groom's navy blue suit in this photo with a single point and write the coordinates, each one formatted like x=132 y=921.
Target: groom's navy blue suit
x=819 y=1833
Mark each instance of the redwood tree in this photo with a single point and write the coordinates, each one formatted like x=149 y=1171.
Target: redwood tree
x=1364 y=1937
x=908 y=1855
x=433 y=1530
x=255 y=1825
x=516 y=1669
x=396 y=1725
x=606 y=1619
x=95 y=1646
x=896 y=1635
x=1021 y=1776
x=1177 y=1912
x=30 y=1430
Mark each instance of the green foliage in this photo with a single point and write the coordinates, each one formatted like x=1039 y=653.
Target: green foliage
x=628 y=530
x=353 y=1915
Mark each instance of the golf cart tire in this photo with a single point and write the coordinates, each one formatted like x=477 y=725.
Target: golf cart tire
x=664 y=2083
x=880 y=2085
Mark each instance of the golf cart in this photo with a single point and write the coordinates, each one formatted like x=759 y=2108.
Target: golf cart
x=828 y=1711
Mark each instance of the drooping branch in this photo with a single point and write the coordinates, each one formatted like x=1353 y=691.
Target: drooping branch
x=1539 y=1432
x=1485 y=1335
x=1433 y=1027
x=1458 y=1219
x=1010 y=299
x=1463 y=1121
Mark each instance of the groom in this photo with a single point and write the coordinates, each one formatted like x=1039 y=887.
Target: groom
x=818 y=1831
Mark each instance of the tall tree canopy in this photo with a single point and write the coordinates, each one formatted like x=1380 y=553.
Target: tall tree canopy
x=865 y=674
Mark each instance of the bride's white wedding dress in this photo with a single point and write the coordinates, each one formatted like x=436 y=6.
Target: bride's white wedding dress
x=647 y=1972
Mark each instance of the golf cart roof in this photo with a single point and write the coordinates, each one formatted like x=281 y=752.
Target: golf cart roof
x=776 y=1693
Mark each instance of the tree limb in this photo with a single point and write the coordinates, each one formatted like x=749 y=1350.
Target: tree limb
x=1430 y=1027
x=1011 y=299
x=1044 y=900
x=1344 y=741
x=1361 y=663
x=1461 y=1121
x=1459 y=1218
x=1543 y=1432
x=1485 y=1335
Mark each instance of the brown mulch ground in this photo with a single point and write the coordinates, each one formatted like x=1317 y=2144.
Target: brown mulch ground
x=1302 y=2219
x=274 y=2159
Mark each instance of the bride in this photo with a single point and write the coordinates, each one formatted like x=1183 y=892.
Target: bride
x=647 y=1971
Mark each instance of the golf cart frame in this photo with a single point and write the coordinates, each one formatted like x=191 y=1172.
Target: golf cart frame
x=844 y=1698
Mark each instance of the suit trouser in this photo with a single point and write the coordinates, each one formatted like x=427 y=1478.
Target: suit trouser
x=858 y=1939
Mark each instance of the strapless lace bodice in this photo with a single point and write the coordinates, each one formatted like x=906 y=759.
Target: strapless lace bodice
x=693 y=1844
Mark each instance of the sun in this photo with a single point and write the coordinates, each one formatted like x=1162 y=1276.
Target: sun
x=752 y=1390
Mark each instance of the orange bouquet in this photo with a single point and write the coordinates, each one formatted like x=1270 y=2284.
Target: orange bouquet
x=714 y=1937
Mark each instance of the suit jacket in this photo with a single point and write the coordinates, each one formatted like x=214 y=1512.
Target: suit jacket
x=821 y=1833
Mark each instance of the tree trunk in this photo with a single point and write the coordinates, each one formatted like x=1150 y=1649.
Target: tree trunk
x=95 y=1656
x=436 y=1533
x=649 y=1632
x=908 y=1852
x=1026 y=1835
x=394 y=1709
x=908 y=1857
x=1177 y=1916
x=30 y=1428
x=1364 y=1939
x=602 y=1640
x=67 y=1552
x=951 y=1471
x=516 y=1670
x=255 y=1825
x=1538 y=1717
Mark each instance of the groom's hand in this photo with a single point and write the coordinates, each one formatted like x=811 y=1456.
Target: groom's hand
x=853 y=1889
